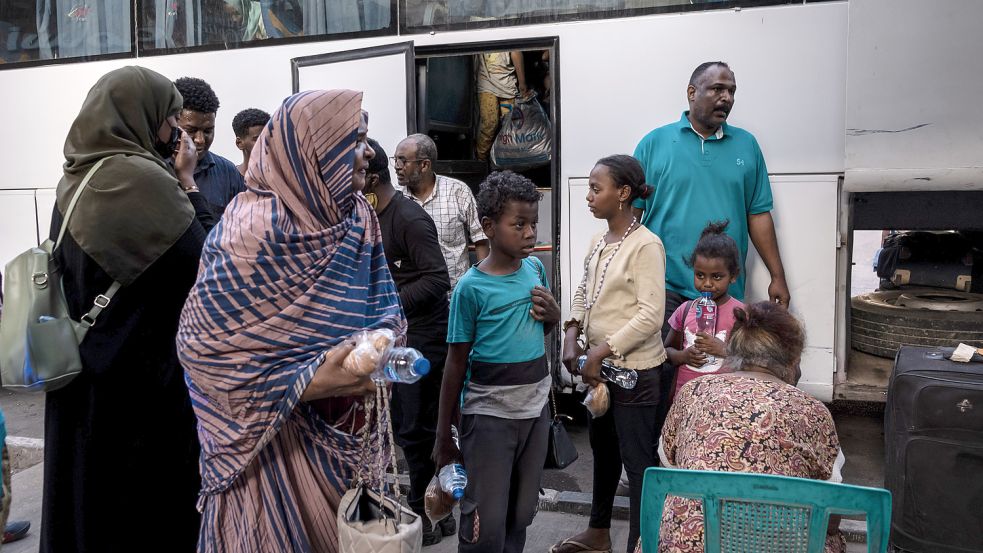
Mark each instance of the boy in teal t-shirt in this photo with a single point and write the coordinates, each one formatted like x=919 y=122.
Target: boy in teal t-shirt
x=500 y=311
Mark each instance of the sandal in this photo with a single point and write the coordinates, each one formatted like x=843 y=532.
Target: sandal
x=581 y=548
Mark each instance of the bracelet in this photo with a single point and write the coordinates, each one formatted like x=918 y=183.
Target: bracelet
x=571 y=322
x=190 y=189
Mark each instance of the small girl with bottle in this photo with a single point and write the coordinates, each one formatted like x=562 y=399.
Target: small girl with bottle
x=716 y=264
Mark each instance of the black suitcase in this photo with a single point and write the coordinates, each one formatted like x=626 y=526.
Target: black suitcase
x=933 y=432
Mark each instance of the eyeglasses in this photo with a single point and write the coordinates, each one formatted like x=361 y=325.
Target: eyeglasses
x=399 y=162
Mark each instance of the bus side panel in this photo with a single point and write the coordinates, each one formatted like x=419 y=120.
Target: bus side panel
x=805 y=215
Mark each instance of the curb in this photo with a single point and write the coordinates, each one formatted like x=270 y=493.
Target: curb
x=556 y=501
x=855 y=531
x=578 y=503
x=24 y=452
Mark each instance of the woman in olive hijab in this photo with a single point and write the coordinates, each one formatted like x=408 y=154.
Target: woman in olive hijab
x=121 y=453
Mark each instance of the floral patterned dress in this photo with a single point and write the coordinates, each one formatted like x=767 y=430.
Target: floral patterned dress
x=731 y=422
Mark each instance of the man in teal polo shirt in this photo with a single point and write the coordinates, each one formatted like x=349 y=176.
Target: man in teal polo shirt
x=705 y=170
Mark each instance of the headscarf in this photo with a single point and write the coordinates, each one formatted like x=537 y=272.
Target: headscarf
x=134 y=209
x=294 y=267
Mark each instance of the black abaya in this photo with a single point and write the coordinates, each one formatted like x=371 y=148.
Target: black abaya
x=121 y=448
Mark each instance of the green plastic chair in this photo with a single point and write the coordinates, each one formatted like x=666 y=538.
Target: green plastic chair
x=763 y=513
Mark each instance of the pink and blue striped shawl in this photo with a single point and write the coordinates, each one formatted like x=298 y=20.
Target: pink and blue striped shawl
x=295 y=266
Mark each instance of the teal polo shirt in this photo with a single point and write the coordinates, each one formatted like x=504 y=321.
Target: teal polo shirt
x=697 y=181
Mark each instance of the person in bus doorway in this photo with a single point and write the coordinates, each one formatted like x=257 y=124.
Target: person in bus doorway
x=217 y=178
x=247 y=124
x=705 y=170
x=449 y=202
x=416 y=262
x=120 y=441
x=501 y=78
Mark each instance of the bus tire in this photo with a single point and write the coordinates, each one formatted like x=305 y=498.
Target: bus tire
x=883 y=321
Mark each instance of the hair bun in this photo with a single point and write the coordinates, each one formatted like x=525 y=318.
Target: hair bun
x=715 y=228
x=645 y=191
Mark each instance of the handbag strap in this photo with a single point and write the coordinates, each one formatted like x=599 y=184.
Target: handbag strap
x=545 y=280
x=380 y=467
x=556 y=413
x=75 y=199
x=386 y=408
x=102 y=300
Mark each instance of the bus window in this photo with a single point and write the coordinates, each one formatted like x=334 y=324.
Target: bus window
x=37 y=30
x=178 y=24
x=420 y=15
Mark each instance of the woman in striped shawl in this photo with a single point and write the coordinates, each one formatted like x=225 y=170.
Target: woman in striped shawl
x=292 y=270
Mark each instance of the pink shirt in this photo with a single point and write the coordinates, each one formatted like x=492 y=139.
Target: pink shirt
x=684 y=320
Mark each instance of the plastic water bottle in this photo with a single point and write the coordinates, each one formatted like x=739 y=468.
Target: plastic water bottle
x=706 y=318
x=626 y=378
x=438 y=501
x=453 y=479
x=403 y=365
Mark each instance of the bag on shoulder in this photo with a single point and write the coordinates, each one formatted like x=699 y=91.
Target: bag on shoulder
x=525 y=139
x=39 y=341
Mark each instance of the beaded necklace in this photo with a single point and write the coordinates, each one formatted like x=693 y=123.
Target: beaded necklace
x=604 y=270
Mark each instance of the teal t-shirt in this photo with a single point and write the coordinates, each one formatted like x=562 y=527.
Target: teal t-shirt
x=697 y=181
x=492 y=312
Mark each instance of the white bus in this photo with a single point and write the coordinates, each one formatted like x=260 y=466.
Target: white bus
x=868 y=111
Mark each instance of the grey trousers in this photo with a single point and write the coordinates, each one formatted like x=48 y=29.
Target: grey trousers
x=504 y=460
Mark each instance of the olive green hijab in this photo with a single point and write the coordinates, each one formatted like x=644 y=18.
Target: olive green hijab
x=133 y=209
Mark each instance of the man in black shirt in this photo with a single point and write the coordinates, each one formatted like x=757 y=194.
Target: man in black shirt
x=409 y=237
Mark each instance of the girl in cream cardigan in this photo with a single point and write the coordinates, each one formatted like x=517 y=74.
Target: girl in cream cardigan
x=618 y=310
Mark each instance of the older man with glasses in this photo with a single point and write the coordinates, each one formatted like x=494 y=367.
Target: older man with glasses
x=449 y=202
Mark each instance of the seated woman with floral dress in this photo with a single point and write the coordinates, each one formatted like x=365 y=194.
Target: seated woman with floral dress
x=752 y=419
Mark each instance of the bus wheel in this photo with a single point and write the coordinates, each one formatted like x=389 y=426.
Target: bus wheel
x=883 y=321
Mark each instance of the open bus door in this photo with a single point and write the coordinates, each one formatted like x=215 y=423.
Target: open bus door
x=431 y=90
x=448 y=112
x=378 y=72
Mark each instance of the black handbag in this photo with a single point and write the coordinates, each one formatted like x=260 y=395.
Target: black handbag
x=560 y=452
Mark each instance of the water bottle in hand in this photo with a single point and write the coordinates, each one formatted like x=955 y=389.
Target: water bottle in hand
x=403 y=365
x=626 y=378
x=453 y=479
x=706 y=318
